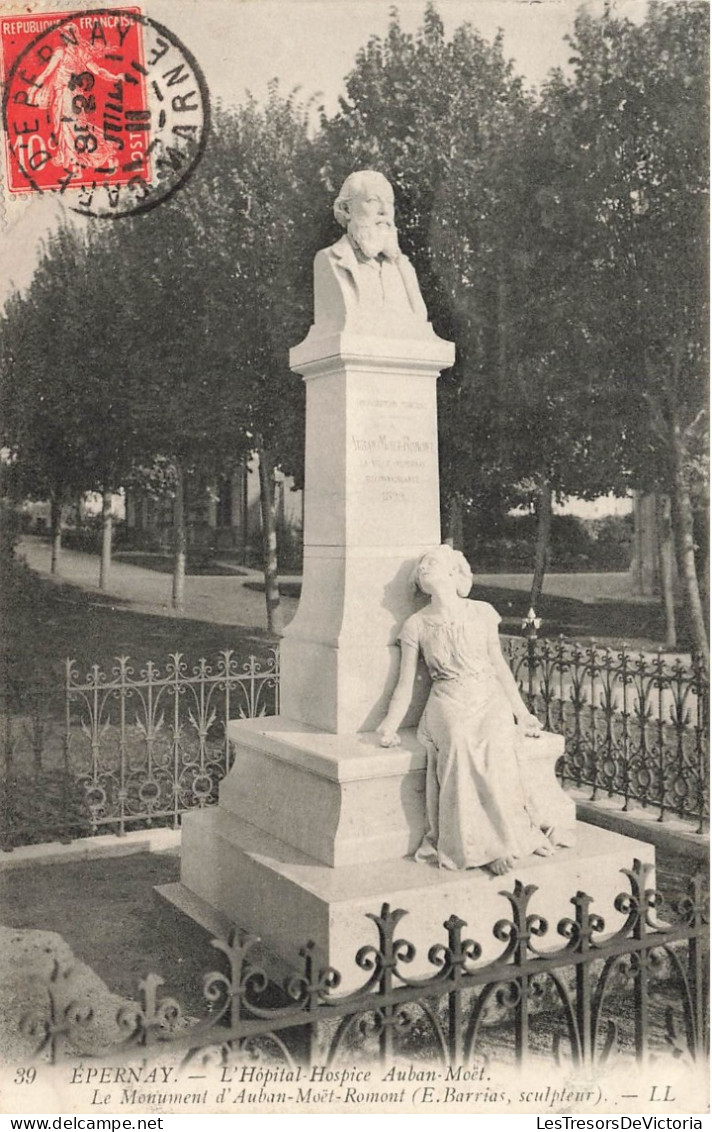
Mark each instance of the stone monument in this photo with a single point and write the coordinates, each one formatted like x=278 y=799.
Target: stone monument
x=316 y=820
x=370 y=363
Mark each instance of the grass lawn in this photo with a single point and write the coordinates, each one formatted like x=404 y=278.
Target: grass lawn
x=639 y=625
x=164 y=564
x=43 y=623
x=106 y=910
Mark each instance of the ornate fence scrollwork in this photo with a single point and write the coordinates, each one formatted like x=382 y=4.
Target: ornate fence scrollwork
x=636 y=725
x=575 y=993
x=129 y=748
x=155 y=744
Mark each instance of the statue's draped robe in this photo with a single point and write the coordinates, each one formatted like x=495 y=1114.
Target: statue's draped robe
x=476 y=804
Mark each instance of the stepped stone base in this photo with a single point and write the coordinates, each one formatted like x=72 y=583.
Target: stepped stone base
x=314 y=831
x=255 y=881
x=344 y=800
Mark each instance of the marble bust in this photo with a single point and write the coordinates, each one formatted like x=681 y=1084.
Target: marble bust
x=363 y=283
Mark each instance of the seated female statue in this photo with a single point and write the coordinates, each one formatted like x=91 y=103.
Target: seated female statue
x=471 y=728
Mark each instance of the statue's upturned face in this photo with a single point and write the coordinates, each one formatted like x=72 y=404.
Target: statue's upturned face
x=435 y=572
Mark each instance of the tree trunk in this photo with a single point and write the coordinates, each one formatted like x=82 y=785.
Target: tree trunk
x=666 y=558
x=178 y=596
x=685 y=540
x=500 y=390
x=541 y=549
x=55 y=524
x=454 y=533
x=275 y=621
x=706 y=579
x=107 y=526
x=702 y=539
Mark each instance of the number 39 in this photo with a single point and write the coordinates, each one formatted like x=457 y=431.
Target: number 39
x=25 y=1076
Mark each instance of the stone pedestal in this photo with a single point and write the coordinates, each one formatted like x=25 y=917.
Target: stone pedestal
x=371 y=510
x=344 y=799
x=314 y=831
x=349 y=800
x=313 y=835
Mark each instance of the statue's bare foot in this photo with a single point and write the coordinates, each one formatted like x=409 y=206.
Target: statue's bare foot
x=546 y=850
x=501 y=865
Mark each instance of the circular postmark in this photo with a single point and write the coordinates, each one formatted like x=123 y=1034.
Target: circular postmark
x=105 y=105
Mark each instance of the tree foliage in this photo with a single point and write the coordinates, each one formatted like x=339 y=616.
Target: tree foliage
x=162 y=342
x=69 y=404
x=432 y=115
x=560 y=241
x=262 y=205
x=631 y=122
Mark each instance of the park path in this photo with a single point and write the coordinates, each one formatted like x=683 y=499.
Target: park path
x=222 y=600
x=230 y=601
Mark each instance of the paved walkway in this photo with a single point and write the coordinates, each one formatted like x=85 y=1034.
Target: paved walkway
x=229 y=600
x=222 y=600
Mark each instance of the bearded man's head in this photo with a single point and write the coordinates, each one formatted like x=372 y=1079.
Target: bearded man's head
x=365 y=208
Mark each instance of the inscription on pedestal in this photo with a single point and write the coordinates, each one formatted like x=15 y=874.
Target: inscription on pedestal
x=392 y=451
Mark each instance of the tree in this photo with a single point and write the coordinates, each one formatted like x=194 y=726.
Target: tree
x=69 y=391
x=418 y=108
x=107 y=427
x=634 y=135
x=43 y=390
x=173 y=330
x=187 y=409
x=214 y=288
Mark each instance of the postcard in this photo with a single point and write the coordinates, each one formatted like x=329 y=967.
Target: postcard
x=301 y=299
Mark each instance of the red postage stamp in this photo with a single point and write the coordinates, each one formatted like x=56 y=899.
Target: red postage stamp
x=107 y=102
x=76 y=109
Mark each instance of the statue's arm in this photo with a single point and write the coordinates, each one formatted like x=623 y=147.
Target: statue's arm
x=524 y=717
x=402 y=695
x=103 y=73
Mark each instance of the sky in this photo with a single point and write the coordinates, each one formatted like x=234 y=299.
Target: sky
x=310 y=44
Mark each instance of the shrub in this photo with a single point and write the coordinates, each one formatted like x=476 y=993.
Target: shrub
x=575 y=544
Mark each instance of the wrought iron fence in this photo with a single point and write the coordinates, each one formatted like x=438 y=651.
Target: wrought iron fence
x=575 y=993
x=125 y=748
x=636 y=725
x=114 y=751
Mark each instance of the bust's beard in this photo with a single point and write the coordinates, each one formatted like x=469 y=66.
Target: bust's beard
x=375 y=239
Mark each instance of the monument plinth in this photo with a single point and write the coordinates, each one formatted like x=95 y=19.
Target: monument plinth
x=316 y=819
x=371 y=509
